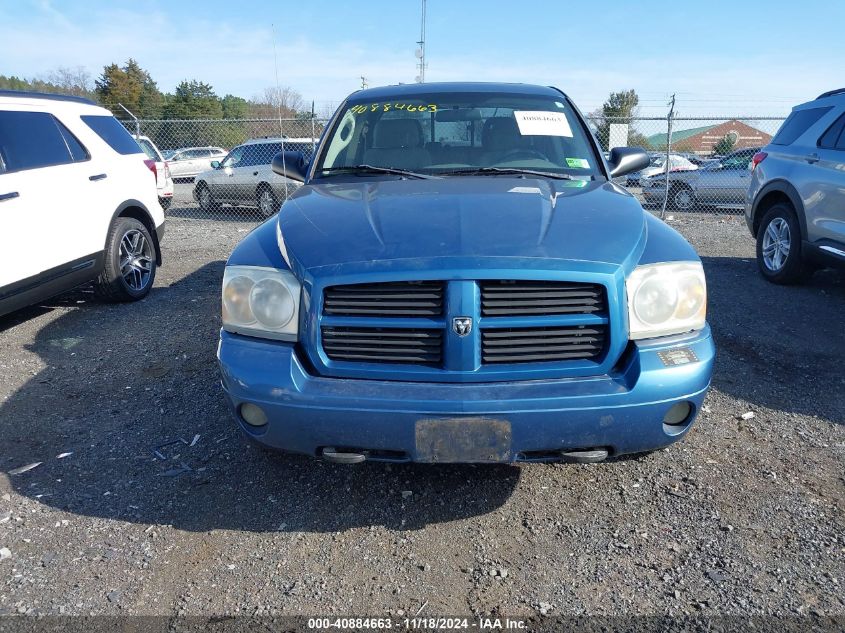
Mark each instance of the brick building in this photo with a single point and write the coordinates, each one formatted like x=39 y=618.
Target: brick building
x=702 y=139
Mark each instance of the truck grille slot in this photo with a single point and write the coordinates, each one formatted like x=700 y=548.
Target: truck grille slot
x=383 y=345
x=542 y=344
x=398 y=299
x=501 y=298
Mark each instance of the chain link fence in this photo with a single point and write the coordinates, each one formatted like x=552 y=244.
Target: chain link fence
x=704 y=164
x=220 y=169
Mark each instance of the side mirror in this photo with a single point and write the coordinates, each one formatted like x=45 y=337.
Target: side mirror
x=215 y=164
x=624 y=160
x=290 y=165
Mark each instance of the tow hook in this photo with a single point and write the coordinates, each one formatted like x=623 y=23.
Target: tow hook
x=590 y=456
x=341 y=457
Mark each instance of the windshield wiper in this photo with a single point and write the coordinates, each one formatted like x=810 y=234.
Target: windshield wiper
x=373 y=169
x=480 y=171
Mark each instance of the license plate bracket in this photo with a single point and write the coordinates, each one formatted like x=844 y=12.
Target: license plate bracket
x=463 y=439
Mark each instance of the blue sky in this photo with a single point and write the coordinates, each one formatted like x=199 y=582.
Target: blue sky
x=740 y=57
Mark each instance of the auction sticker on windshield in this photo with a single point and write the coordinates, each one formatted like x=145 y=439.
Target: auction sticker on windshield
x=540 y=123
x=577 y=163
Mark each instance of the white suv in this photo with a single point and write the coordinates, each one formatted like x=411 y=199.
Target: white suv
x=189 y=161
x=78 y=202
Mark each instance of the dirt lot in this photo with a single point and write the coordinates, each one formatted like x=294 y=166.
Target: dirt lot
x=746 y=516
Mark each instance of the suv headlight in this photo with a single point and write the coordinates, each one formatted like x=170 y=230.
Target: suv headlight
x=261 y=302
x=666 y=299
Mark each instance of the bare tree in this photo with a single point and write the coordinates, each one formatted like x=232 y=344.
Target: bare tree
x=274 y=99
x=76 y=81
x=326 y=109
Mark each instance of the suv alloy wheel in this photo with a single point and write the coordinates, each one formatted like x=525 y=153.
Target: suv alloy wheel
x=779 y=246
x=130 y=262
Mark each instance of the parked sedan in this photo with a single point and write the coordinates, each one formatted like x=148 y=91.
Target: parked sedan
x=721 y=184
x=189 y=161
x=658 y=166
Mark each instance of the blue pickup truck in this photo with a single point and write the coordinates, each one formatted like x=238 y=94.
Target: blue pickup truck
x=460 y=280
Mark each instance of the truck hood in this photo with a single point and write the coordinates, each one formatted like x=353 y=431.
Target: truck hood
x=370 y=221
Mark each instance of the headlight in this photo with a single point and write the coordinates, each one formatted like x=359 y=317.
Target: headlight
x=261 y=302
x=666 y=299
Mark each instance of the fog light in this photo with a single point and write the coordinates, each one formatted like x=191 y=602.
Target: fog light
x=253 y=414
x=678 y=414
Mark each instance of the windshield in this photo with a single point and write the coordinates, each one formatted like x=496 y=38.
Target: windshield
x=443 y=133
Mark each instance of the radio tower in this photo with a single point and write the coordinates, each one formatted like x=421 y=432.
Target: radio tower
x=421 y=50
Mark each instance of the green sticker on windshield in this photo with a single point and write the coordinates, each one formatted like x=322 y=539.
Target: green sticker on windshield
x=575 y=183
x=577 y=163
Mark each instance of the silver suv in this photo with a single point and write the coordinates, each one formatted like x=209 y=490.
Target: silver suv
x=795 y=205
x=244 y=177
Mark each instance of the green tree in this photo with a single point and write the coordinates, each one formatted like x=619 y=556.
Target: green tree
x=620 y=107
x=724 y=145
x=193 y=100
x=14 y=83
x=131 y=86
x=234 y=107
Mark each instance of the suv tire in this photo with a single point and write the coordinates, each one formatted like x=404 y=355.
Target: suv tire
x=779 y=255
x=129 y=269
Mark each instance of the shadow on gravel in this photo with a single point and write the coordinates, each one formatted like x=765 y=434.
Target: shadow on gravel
x=779 y=347
x=9 y=321
x=120 y=381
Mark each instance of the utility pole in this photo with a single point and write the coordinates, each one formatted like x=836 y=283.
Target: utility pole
x=421 y=50
x=313 y=131
x=363 y=82
x=669 y=119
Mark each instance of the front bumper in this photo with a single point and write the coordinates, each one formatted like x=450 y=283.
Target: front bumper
x=522 y=420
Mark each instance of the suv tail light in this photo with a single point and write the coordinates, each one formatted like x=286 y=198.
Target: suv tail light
x=149 y=162
x=758 y=158
x=166 y=170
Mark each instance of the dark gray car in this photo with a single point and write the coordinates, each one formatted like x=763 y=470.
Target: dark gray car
x=721 y=183
x=795 y=205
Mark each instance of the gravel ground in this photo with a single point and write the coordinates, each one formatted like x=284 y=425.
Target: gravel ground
x=746 y=516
